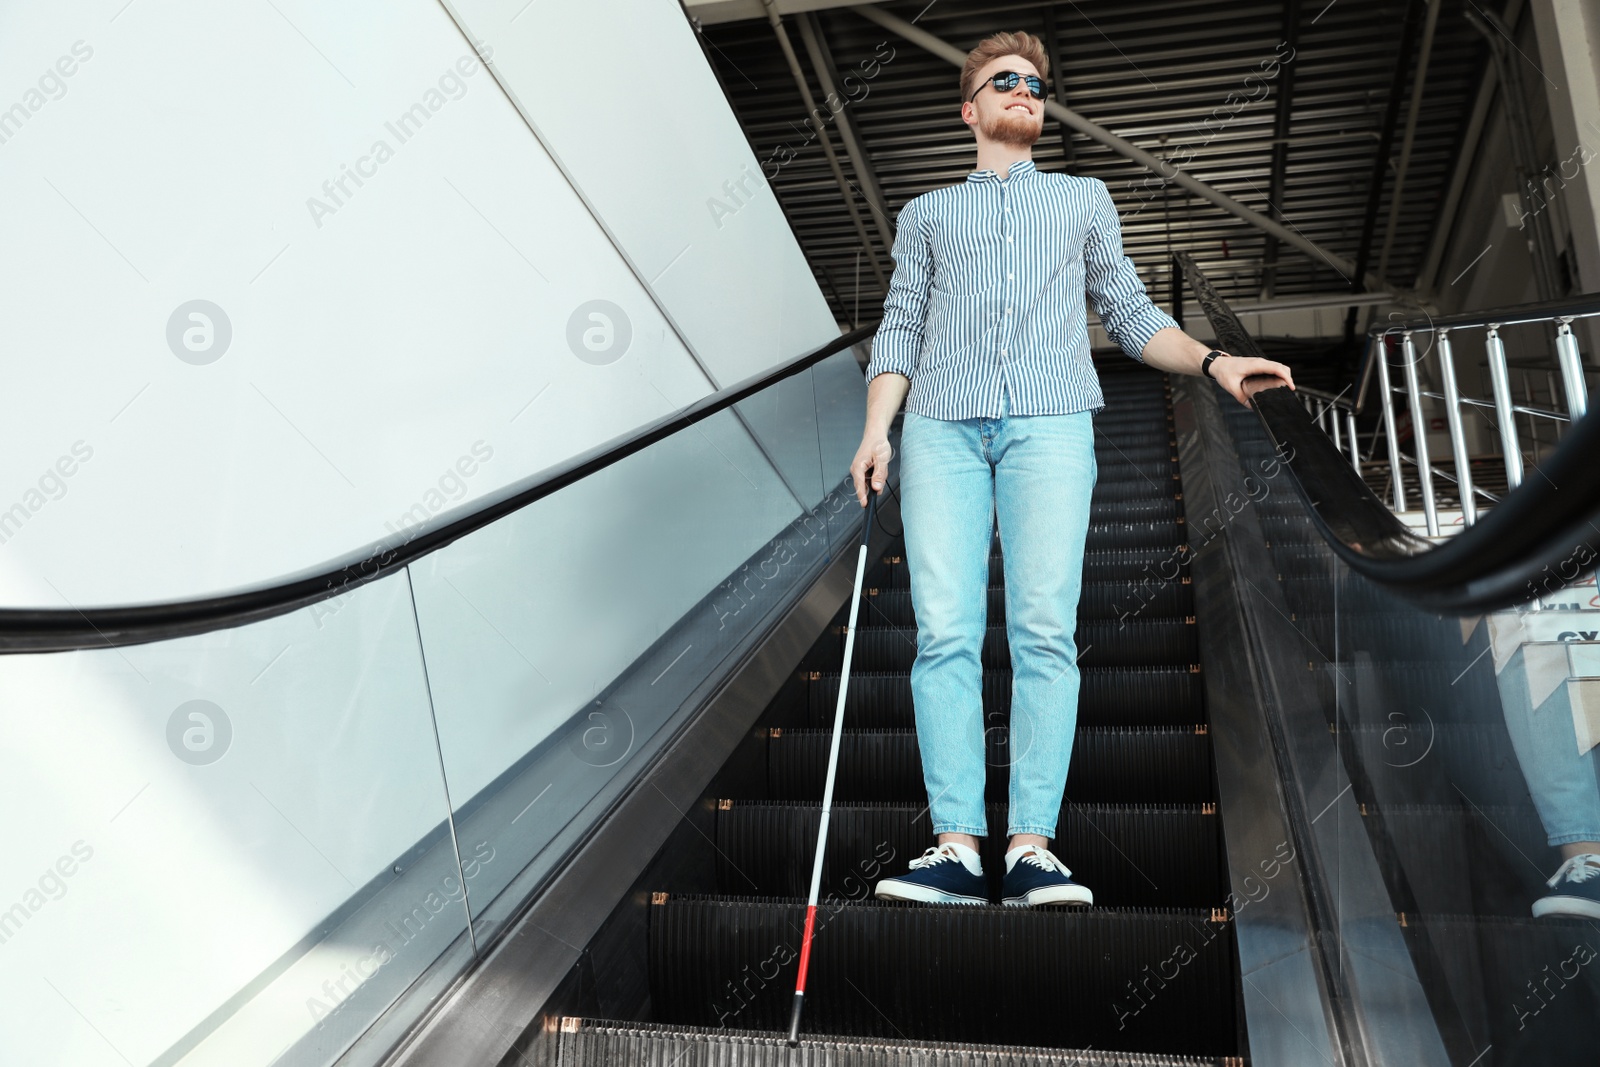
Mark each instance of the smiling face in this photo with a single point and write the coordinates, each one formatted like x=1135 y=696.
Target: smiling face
x=1013 y=117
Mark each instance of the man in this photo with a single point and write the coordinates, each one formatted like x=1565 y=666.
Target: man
x=985 y=339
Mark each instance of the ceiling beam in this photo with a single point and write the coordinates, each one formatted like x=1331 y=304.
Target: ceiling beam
x=1444 y=223
x=1069 y=157
x=813 y=112
x=957 y=57
x=711 y=12
x=1280 y=145
x=1380 y=162
x=823 y=64
x=1417 y=85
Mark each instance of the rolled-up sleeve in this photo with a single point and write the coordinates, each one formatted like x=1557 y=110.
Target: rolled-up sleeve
x=898 y=341
x=1126 y=312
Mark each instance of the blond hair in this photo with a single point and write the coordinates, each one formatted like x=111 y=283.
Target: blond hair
x=994 y=46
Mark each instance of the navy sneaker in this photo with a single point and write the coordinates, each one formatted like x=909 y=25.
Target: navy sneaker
x=950 y=873
x=1034 y=876
x=1576 y=890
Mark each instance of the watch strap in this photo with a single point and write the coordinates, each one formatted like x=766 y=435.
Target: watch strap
x=1205 y=364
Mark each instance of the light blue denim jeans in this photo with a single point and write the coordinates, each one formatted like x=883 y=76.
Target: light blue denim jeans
x=1564 y=785
x=1036 y=474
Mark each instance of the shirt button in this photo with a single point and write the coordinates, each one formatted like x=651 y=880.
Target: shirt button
x=1008 y=238
x=1002 y=351
x=1010 y=276
x=1008 y=311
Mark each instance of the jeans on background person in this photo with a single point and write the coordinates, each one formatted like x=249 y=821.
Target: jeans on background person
x=1036 y=473
x=1563 y=783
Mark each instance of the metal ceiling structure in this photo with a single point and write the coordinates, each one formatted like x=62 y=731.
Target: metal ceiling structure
x=1300 y=116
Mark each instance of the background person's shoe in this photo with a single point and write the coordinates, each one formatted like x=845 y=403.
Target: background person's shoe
x=1575 y=890
x=1034 y=876
x=950 y=873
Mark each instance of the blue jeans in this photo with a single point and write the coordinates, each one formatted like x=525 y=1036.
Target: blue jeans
x=1036 y=473
x=1564 y=785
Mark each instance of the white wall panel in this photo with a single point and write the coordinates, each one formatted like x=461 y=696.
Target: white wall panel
x=527 y=620
x=645 y=130
x=196 y=866
x=371 y=347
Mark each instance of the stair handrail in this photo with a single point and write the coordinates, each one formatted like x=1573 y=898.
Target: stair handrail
x=24 y=630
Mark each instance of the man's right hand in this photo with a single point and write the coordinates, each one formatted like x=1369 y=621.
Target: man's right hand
x=884 y=395
x=871 y=464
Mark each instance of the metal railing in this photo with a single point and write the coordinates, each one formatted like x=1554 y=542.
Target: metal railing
x=1540 y=537
x=1450 y=397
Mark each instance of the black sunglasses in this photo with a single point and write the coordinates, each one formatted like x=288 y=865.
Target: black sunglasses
x=1006 y=81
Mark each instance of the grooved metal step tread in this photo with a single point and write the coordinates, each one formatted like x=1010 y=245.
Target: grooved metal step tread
x=1096 y=600
x=1134 y=980
x=583 y=1042
x=1100 y=643
x=1109 y=764
x=1130 y=855
x=1133 y=564
x=1107 y=696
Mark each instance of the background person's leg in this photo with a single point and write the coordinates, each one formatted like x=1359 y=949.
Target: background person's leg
x=1044 y=477
x=947 y=502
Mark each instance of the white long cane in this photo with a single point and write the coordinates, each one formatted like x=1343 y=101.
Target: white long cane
x=833 y=766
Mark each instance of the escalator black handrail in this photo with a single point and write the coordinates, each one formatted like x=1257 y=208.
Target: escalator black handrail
x=1541 y=536
x=69 y=629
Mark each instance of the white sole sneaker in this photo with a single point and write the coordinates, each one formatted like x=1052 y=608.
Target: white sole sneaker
x=891 y=889
x=1078 y=895
x=1566 y=908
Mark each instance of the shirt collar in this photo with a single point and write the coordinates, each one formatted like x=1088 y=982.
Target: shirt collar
x=1018 y=169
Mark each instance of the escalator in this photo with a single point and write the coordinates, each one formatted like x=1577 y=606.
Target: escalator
x=1442 y=796
x=1147 y=975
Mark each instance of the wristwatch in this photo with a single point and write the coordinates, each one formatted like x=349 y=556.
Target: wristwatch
x=1205 y=364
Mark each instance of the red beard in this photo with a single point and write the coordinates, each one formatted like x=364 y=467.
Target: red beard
x=1011 y=129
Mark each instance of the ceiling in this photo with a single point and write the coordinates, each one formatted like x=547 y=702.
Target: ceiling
x=1150 y=71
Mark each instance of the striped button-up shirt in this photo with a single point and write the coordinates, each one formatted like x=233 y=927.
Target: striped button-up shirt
x=988 y=295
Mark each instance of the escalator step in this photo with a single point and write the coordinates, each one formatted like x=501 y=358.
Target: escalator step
x=1128 y=563
x=1133 y=598
x=602 y=1042
x=1142 y=449
x=1146 y=981
x=1111 y=450
x=1145 y=448
x=1132 y=483
x=1110 y=764
x=1136 y=509
x=1135 y=563
x=1157 y=442
x=1096 y=600
x=1131 y=534
x=1137 y=417
x=1131 y=856
x=1101 y=643
x=1107 y=696
x=1148 y=473
x=1290 y=531
x=1113 y=533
